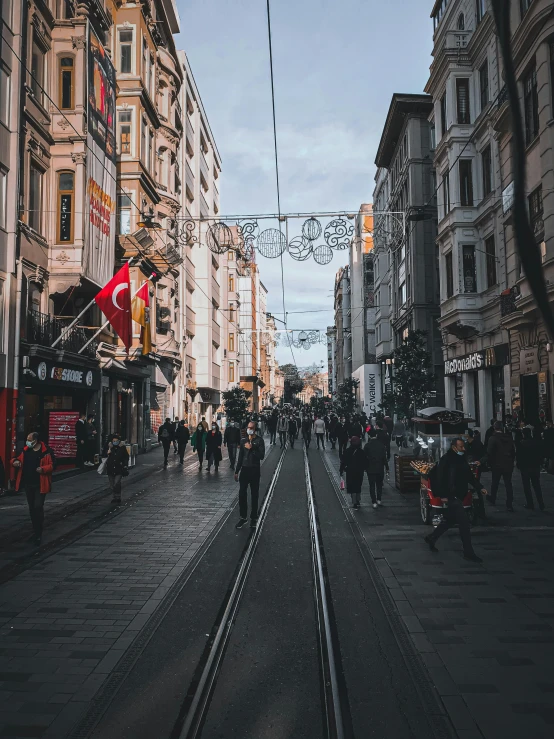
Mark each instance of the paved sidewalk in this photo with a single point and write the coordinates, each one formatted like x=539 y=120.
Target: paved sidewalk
x=485 y=632
x=66 y=622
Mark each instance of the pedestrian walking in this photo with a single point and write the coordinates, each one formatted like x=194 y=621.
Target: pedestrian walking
x=34 y=468
x=282 y=428
x=214 y=441
x=342 y=436
x=92 y=437
x=501 y=453
x=182 y=438
x=355 y=428
x=454 y=475
x=327 y=422
x=389 y=425
x=272 y=428
x=231 y=439
x=377 y=462
x=165 y=436
x=292 y=430
x=307 y=431
x=205 y=424
x=529 y=456
x=333 y=423
x=251 y=454
x=353 y=462
x=117 y=465
x=81 y=440
x=548 y=444
x=383 y=436
x=489 y=432
x=198 y=442
x=320 y=429
x=175 y=427
x=399 y=431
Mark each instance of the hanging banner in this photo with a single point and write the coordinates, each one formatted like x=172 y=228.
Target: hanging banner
x=100 y=193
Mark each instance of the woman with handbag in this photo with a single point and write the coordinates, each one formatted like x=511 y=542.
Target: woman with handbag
x=198 y=443
x=214 y=441
x=354 y=463
x=117 y=465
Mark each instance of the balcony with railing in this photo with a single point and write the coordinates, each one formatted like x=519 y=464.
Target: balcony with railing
x=216 y=290
x=190 y=271
x=189 y=132
x=216 y=376
x=190 y=322
x=204 y=208
x=189 y=181
x=178 y=115
x=216 y=333
x=204 y=171
x=43 y=329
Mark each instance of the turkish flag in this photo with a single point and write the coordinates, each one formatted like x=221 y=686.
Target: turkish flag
x=114 y=300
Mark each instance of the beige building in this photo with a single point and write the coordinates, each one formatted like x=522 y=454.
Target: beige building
x=207 y=322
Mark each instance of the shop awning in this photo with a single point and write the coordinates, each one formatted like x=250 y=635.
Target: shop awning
x=116 y=366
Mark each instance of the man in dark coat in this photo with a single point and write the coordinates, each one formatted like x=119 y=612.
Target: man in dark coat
x=182 y=436
x=166 y=435
x=454 y=475
x=383 y=436
x=292 y=431
x=501 y=453
x=333 y=422
x=376 y=464
x=251 y=454
x=117 y=465
x=214 y=440
x=529 y=456
x=307 y=430
x=231 y=439
x=489 y=432
x=353 y=462
x=341 y=431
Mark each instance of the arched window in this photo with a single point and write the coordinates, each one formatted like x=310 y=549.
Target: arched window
x=66 y=200
x=461 y=22
x=66 y=83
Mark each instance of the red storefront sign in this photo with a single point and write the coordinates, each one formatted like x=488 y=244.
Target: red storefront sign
x=61 y=433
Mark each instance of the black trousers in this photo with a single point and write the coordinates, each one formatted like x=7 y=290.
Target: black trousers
x=342 y=447
x=282 y=438
x=497 y=475
x=320 y=439
x=273 y=436
x=200 y=453
x=167 y=446
x=81 y=453
x=307 y=438
x=35 y=501
x=249 y=476
x=455 y=515
x=292 y=437
x=333 y=440
x=232 y=450
x=375 y=484
x=182 y=448
x=532 y=477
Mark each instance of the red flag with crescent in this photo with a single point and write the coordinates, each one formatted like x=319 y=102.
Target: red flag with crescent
x=114 y=300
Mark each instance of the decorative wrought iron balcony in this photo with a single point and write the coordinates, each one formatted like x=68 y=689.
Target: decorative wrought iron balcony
x=43 y=329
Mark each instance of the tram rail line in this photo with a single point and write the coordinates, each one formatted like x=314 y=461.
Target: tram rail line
x=431 y=703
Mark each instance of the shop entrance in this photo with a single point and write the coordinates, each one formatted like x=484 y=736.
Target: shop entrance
x=530 y=398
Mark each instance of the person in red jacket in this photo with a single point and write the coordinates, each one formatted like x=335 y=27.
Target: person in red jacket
x=34 y=475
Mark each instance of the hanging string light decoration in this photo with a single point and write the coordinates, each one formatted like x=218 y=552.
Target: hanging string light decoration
x=311 y=229
x=323 y=254
x=219 y=237
x=338 y=234
x=300 y=248
x=271 y=243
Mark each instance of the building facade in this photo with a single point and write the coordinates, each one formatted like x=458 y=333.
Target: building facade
x=206 y=319
x=468 y=118
x=342 y=330
x=405 y=257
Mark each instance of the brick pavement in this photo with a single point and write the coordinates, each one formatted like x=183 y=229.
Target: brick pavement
x=66 y=622
x=485 y=632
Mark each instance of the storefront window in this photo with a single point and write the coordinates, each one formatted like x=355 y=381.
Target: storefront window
x=459 y=392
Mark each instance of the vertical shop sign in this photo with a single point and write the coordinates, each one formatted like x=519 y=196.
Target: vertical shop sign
x=61 y=433
x=100 y=191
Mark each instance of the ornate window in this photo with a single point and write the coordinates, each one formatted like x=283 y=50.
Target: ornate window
x=66 y=202
x=66 y=82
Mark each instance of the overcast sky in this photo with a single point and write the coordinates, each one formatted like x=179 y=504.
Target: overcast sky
x=336 y=65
